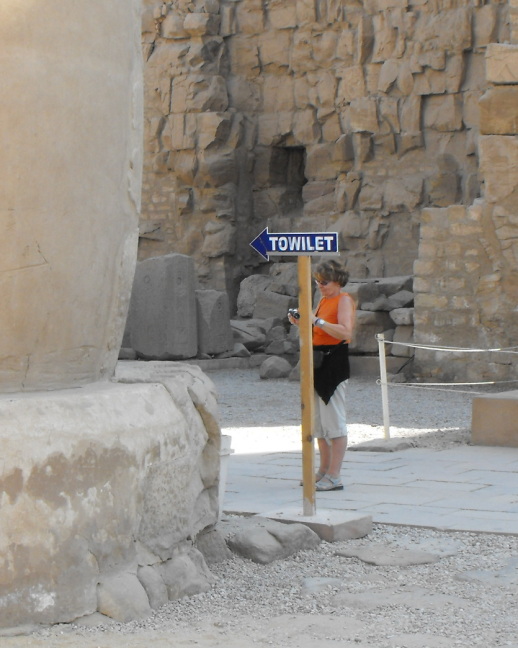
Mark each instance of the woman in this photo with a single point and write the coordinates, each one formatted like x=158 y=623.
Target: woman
x=333 y=324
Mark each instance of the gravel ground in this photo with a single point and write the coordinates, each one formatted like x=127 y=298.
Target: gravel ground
x=318 y=598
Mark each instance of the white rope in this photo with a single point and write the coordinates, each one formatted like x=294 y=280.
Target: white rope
x=453 y=349
x=433 y=386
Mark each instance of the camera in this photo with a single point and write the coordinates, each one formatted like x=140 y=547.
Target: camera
x=294 y=313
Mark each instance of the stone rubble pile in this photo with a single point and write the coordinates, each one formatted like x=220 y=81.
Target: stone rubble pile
x=172 y=320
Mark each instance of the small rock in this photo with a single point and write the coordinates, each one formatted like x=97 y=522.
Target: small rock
x=266 y=540
x=275 y=367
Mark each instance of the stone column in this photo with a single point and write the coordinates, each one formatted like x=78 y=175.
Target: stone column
x=70 y=149
x=103 y=483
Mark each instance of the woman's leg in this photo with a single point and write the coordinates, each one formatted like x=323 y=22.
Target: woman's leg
x=324 y=449
x=333 y=419
x=337 y=453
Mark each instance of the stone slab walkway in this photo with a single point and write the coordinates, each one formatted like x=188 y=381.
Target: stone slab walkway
x=465 y=488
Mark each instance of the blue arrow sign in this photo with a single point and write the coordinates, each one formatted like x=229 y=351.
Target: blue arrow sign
x=295 y=243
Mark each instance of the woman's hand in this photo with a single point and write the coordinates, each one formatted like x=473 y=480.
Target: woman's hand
x=293 y=320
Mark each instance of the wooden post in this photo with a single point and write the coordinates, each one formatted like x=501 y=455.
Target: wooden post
x=306 y=384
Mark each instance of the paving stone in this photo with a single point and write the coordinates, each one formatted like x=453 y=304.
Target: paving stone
x=382 y=555
x=383 y=445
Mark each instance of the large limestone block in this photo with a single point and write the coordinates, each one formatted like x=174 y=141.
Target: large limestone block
x=214 y=330
x=502 y=63
x=352 y=85
x=282 y=14
x=499 y=111
x=443 y=113
x=272 y=304
x=274 y=53
x=248 y=291
x=368 y=324
x=364 y=115
x=201 y=24
x=499 y=167
x=162 y=318
x=70 y=160
x=90 y=474
x=495 y=419
x=250 y=17
x=197 y=92
x=403 y=335
x=122 y=597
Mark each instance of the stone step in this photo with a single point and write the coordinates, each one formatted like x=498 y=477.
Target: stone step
x=495 y=419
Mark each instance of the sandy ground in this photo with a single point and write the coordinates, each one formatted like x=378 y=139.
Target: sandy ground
x=318 y=599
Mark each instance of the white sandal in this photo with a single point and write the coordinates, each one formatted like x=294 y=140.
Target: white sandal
x=328 y=483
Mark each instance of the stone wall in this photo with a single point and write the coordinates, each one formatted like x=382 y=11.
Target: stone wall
x=466 y=277
x=309 y=115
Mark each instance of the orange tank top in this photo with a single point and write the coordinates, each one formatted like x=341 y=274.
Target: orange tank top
x=328 y=311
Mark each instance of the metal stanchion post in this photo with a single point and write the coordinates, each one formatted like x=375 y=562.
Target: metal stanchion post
x=383 y=379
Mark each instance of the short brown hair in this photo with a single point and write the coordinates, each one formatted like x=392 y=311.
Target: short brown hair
x=332 y=271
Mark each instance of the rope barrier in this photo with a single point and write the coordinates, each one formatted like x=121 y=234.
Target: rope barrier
x=429 y=387
x=434 y=386
x=453 y=349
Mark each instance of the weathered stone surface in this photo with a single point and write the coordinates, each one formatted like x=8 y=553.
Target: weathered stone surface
x=502 y=63
x=154 y=586
x=93 y=466
x=200 y=24
x=363 y=115
x=65 y=296
x=506 y=576
x=401 y=299
x=352 y=84
x=383 y=445
x=405 y=335
x=494 y=419
x=443 y=185
x=122 y=597
x=271 y=304
x=275 y=367
x=264 y=541
x=367 y=325
x=347 y=190
x=249 y=334
x=443 y=113
x=186 y=574
x=213 y=317
x=499 y=165
x=163 y=319
x=382 y=555
x=404 y=193
x=211 y=544
x=499 y=111
x=402 y=316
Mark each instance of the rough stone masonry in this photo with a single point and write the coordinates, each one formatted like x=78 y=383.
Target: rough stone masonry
x=392 y=122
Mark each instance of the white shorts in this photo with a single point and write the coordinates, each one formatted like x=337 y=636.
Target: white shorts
x=331 y=419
